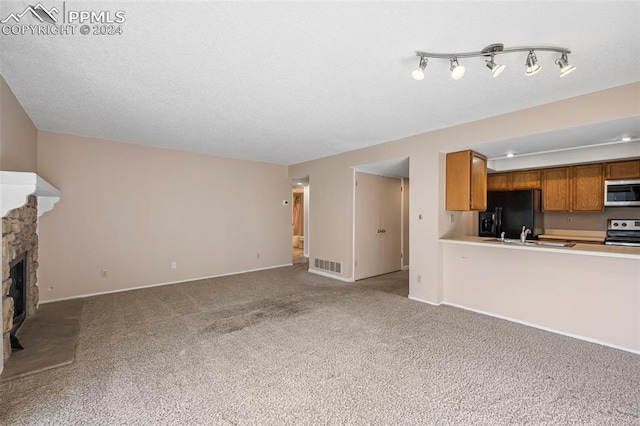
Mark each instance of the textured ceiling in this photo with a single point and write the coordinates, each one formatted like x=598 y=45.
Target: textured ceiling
x=285 y=82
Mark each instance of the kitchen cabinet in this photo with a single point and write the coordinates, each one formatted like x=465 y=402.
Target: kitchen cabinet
x=499 y=182
x=587 y=188
x=556 y=189
x=466 y=184
x=622 y=170
x=576 y=188
x=511 y=181
x=525 y=179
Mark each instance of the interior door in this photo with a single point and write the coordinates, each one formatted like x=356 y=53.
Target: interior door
x=377 y=225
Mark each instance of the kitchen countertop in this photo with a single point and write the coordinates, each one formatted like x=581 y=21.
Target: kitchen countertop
x=573 y=235
x=579 y=249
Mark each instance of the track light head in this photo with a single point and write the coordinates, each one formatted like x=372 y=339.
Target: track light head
x=533 y=67
x=563 y=63
x=496 y=69
x=457 y=70
x=418 y=73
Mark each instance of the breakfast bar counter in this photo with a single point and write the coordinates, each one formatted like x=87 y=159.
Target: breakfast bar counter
x=587 y=291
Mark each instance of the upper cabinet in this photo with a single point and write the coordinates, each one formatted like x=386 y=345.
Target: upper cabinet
x=587 y=188
x=556 y=189
x=573 y=189
x=622 y=170
x=510 y=181
x=466 y=185
x=499 y=182
x=525 y=179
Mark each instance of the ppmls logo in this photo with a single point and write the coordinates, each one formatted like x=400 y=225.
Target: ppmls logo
x=38 y=11
x=47 y=21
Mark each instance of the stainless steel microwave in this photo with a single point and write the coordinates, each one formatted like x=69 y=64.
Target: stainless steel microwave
x=622 y=193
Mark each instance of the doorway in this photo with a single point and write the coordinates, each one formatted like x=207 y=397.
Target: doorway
x=300 y=221
x=381 y=221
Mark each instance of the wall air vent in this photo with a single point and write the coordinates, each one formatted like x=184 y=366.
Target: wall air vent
x=328 y=265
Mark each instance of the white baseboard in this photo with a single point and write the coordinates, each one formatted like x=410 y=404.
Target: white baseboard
x=551 y=330
x=335 y=277
x=162 y=284
x=424 y=301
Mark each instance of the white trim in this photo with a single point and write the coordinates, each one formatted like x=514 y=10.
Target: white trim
x=15 y=188
x=552 y=330
x=325 y=274
x=424 y=301
x=163 y=284
x=353 y=225
x=405 y=267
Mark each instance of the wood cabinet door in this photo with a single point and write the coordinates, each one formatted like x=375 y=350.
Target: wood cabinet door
x=478 y=200
x=525 y=180
x=466 y=185
x=588 y=188
x=622 y=170
x=458 y=183
x=499 y=182
x=556 y=189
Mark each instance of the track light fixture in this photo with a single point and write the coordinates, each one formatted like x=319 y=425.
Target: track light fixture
x=496 y=69
x=533 y=67
x=418 y=73
x=489 y=53
x=457 y=70
x=563 y=63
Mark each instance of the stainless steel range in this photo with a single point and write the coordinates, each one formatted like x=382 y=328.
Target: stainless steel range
x=623 y=232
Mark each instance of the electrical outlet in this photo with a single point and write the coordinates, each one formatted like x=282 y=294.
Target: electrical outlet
x=569 y=218
x=257 y=255
x=174 y=265
x=419 y=279
x=105 y=273
x=452 y=218
x=419 y=217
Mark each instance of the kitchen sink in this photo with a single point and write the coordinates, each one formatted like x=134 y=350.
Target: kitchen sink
x=531 y=242
x=550 y=243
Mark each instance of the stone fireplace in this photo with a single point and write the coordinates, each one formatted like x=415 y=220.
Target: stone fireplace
x=19 y=269
x=24 y=196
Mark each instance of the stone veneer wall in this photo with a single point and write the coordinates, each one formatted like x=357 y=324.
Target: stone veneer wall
x=19 y=236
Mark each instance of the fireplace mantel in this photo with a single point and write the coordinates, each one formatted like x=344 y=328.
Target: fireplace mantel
x=15 y=188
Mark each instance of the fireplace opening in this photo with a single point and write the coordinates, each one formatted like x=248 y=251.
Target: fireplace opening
x=18 y=291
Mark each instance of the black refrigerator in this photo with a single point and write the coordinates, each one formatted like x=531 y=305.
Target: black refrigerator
x=509 y=211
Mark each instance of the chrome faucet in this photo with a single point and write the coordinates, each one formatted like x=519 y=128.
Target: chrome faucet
x=523 y=234
x=502 y=236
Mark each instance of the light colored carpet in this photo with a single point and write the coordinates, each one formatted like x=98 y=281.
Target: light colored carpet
x=287 y=347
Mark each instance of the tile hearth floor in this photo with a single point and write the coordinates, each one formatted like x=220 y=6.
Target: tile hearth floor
x=49 y=338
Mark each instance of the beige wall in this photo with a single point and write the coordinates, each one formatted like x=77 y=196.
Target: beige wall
x=591 y=221
x=132 y=210
x=332 y=179
x=18 y=135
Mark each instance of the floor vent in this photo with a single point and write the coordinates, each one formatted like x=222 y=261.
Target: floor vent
x=328 y=265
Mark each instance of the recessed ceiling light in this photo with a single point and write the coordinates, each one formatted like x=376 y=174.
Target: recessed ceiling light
x=509 y=155
x=625 y=139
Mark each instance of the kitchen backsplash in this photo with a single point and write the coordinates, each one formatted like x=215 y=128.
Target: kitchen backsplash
x=596 y=221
